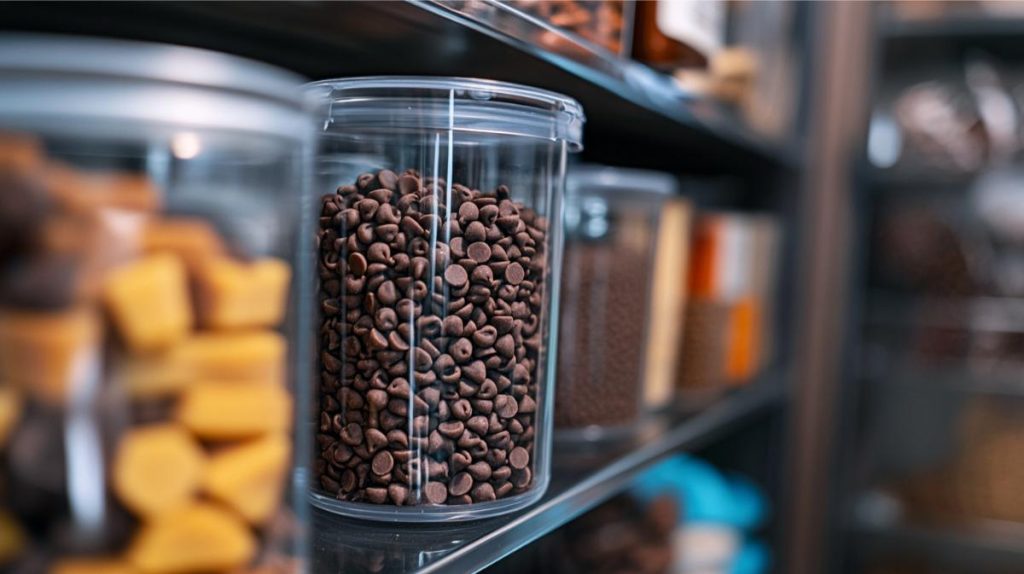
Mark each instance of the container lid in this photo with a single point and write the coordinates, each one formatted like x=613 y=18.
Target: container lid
x=66 y=76
x=584 y=179
x=442 y=103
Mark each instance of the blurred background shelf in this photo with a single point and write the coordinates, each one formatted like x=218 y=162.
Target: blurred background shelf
x=999 y=548
x=624 y=100
x=946 y=40
x=346 y=545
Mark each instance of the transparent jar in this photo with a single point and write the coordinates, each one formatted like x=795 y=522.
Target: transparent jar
x=439 y=247
x=612 y=220
x=148 y=310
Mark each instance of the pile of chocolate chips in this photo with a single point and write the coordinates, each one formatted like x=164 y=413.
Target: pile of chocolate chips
x=431 y=341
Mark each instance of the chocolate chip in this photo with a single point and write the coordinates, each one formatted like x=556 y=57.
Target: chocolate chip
x=519 y=458
x=515 y=274
x=461 y=484
x=435 y=492
x=455 y=275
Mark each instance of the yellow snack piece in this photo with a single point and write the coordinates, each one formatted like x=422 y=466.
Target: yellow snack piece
x=10 y=410
x=197 y=538
x=236 y=356
x=250 y=478
x=149 y=302
x=157 y=469
x=193 y=240
x=231 y=411
x=93 y=566
x=46 y=353
x=84 y=191
x=235 y=295
x=155 y=375
x=12 y=538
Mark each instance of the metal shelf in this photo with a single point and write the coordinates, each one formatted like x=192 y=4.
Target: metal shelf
x=346 y=545
x=635 y=114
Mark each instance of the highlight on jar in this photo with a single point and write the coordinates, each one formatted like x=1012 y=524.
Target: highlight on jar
x=147 y=398
x=437 y=266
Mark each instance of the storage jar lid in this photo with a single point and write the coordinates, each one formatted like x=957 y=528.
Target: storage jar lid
x=585 y=179
x=485 y=107
x=61 y=76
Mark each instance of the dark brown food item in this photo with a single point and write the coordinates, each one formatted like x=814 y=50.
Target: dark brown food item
x=600 y=22
x=430 y=341
x=604 y=322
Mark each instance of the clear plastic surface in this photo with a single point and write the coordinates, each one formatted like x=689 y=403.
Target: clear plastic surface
x=149 y=319
x=438 y=252
x=612 y=218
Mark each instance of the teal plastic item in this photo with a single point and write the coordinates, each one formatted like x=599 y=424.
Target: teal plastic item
x=704 y=493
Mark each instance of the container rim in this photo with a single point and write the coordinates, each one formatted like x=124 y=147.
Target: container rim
x=85 y=57
x=470 y=97
x=588 y=177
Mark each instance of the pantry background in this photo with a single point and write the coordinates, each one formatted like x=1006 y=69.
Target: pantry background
x=830 y=376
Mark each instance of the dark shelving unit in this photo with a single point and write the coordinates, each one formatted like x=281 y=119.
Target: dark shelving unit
x=636 y=117
x=624 y=101
x=900 y=411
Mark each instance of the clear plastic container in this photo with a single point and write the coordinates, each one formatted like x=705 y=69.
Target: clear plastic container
x=612 y=219
x=148 y=321
x=439 y=247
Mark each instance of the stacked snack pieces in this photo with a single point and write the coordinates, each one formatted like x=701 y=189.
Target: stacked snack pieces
x=110 y=307
x=432 y=303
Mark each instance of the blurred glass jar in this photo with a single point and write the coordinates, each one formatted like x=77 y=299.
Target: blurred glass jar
x=437 y=270
x=148 y=236
x=612 y=221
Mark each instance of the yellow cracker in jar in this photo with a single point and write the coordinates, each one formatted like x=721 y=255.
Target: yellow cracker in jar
x=249 y=478
x=108 y=565
x=81 y=191
x=197 y=538
x=49 y=353
x=233 y=411
x=149 y=302
x=234 y=295
x=193 y=240
x=157 y=469
x=154 y=375
x=236 y=356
